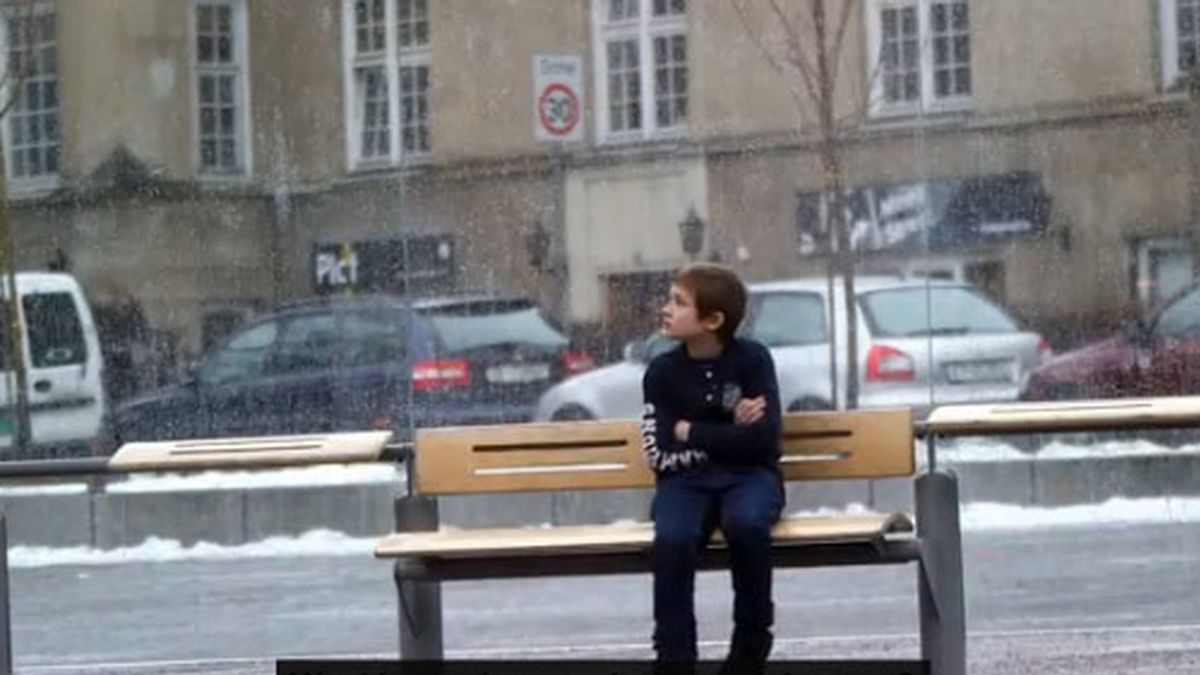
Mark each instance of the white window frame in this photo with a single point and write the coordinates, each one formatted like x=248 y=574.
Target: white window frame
x=41 y=182
x=1145 y=284
x=1169 y=38
x=929 y=102
x=645 y=28
x=241 y=69
x=393 y=58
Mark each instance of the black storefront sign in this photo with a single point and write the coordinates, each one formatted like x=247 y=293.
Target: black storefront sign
x=937 y=215
x=408 y=264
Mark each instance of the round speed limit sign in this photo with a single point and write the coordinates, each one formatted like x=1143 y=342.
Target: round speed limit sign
x=558 y=109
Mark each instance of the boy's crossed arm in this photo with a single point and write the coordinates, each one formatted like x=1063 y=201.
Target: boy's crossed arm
x=753 y=437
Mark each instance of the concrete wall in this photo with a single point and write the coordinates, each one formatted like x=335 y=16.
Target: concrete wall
x=236 y=516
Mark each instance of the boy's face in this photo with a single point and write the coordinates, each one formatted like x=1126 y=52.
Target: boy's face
x=681 y=320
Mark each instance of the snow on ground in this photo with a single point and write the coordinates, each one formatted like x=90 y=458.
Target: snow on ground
x=975 y=517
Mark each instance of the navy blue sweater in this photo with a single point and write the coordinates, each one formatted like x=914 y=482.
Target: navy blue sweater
x=705 y=392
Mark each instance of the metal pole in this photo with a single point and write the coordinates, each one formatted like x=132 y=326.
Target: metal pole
x=5 y=625
x=420 y=601
x=943 y=613
x=55 y=468
x=14 y=327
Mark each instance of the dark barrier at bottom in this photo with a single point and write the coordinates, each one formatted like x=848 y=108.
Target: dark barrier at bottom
x=343 y=667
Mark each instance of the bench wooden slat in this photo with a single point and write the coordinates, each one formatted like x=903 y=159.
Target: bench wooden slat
x=1063 y=416
x=526 y=457
x=856 y=444
x=608 y=454
x=579 y=539
x=251 y=453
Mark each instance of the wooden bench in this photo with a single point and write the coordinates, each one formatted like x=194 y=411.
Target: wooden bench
x=608 y=455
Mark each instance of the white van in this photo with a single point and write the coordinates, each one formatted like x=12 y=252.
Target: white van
x=63 y=367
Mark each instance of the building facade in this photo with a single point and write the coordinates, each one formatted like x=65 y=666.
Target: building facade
x=207 y=158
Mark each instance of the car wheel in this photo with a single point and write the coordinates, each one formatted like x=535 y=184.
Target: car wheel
x=572 y=413
x=809 y=404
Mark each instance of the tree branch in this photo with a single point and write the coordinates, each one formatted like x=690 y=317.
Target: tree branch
x=840 y=35
x=796 y=49
x=771 y=59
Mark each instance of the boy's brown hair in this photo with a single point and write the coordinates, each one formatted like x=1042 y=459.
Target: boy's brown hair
x=715 y=288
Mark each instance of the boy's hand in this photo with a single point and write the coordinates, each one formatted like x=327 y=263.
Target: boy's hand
x=750 y=410
x=682 y=429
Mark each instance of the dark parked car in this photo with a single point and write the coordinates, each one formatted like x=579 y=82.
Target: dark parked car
x=355 y=363
x=1159 y=357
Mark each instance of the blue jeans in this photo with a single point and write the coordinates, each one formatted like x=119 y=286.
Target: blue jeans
x=745 y=503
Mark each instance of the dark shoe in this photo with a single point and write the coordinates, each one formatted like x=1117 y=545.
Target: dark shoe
x=748 y=653
x=674 y=668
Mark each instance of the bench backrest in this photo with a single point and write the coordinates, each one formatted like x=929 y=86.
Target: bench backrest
x=605 y=455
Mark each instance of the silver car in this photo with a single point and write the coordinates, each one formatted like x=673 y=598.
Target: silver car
x=920 y=343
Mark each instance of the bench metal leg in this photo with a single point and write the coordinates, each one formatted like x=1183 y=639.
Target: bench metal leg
x=943 y=613
x=420 y=601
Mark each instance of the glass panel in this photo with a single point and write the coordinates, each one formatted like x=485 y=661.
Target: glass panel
x=789 y=319
x=55 y=330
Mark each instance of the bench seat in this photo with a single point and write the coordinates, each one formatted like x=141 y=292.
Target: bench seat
x=623 y=537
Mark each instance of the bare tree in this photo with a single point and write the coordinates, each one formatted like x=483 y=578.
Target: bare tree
x=18 y=63
x=803 y=43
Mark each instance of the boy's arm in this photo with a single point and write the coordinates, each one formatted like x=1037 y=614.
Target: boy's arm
x=664 y=452
x=757 y=443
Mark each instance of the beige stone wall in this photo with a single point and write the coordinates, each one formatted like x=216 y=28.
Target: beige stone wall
x=297 y=95
x=1030 y=54
x=125 y=80
x=736 y=87
x=483 y=70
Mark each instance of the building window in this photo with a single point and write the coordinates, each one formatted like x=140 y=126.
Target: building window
x=32 y=139
x=920 y=51
x=1181 y=38
x=641 y=68
x=388 y=68
x=222 y=94
x=1162 y=268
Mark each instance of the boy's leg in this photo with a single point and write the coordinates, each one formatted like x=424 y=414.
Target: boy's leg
x=683 y=509
x=750 y=506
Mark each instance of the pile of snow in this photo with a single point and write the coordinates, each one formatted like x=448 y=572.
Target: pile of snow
x=984 y=450
x=316 y=543
x=976 y=517
x=308 y=476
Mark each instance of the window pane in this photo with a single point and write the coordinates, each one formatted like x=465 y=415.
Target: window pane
x=55 y=331
x=225 y=89
x=1182 y=318
x=789 y=319
x=228 y=154
x=204 y=18
x=955 y=311
x=204 y=48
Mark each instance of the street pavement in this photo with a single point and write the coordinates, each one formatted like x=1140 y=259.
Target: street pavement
x=1069 y=601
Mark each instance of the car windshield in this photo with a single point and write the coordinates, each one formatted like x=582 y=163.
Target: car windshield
x=905 y=312
x=458 y=331
x=788 y=319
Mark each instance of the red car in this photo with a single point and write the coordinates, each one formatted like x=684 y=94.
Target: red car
x=1159 y=357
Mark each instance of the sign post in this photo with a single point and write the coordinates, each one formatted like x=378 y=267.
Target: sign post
x=558 y=97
